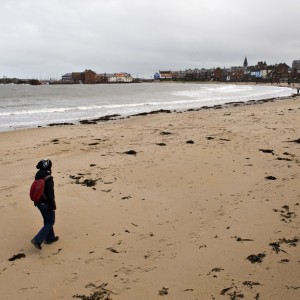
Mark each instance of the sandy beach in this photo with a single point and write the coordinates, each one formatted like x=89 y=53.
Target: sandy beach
x=193 y=205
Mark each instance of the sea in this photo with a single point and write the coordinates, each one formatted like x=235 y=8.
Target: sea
x=28 y=106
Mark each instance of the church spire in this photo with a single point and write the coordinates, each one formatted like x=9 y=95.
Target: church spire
x=245 y=62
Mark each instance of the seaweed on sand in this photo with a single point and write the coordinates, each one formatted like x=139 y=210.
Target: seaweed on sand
x=100 y=293
x=253 y=258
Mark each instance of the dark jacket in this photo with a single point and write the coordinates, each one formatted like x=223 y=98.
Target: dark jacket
x=49 y=189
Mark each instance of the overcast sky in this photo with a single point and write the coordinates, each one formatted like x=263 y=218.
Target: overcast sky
x=48 y=38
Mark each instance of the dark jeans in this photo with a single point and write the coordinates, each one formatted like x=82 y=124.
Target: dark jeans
x=46 y=233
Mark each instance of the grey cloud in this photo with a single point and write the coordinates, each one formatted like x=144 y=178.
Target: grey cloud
x=142 y=36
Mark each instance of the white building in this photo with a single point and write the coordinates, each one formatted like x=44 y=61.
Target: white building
x=120 y=77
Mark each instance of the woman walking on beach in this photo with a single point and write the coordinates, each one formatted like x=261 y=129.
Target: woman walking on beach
x=46 y=205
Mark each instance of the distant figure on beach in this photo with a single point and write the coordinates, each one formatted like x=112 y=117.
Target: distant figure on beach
x=298 y=90
x=46 y=205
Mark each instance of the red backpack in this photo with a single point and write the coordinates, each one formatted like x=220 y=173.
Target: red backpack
x=37 y=189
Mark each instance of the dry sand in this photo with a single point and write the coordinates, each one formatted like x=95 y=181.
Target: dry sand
x=178 y=220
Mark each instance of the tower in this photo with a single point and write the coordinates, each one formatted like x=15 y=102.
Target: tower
x=245 y=62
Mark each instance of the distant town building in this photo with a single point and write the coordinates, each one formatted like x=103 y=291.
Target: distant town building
x=88 y=77
x=165 y=74
x=77 y=77
x=67 y=78
x=218 y=74
x=296 y=65
x=120 y=77
x=156 y=76
x=260 y=72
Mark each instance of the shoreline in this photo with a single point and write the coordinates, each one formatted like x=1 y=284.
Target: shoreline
x=118 y=116
x=187 y=205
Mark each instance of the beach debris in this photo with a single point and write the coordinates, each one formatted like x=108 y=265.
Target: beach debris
x=271 y=178
x=232 y=294
x=285 y=260
x=293 y=242
x=292 y=287
x=215 y=270
x=224 y=291
x=161 y=144
x=130 y=152
x=17 y=256
x=58 y=250
x=107 y=118
x=190 y=142
x=167 y=111
x=250 y=283
x=256 y=258
x=60 y=124
x=113 y=250
x=276 y=247
x=94 y=144
x=165 y=133
x=235 y=295
x=76 y=177
x=86 y=182
x=257 y=296
x=286 y=214
x=225 y=140
x=86 y=122
x=101 y=119
x=218 y=106
x=234 y=102
x=163 y=291
x=55 y=141
x=284 y=158
x=267 y=151
x=89 y=182
x=295 y=141
x=99 y=293
x=210 y=138
x=238 y=239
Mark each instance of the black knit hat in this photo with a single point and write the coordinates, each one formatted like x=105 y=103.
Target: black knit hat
x=44 y=164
